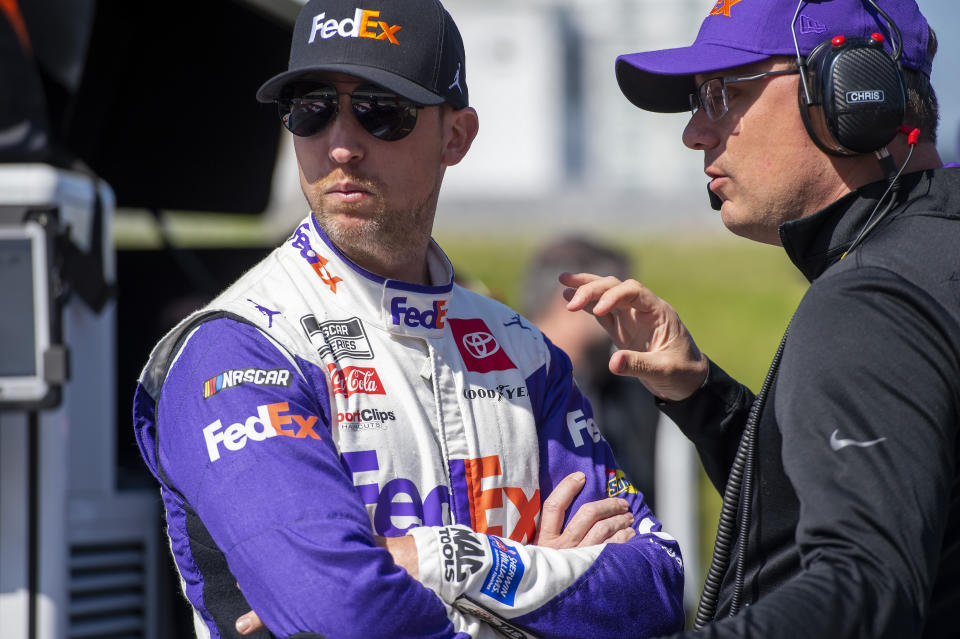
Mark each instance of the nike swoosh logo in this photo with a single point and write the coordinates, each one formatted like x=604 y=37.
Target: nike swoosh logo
x=837 y=443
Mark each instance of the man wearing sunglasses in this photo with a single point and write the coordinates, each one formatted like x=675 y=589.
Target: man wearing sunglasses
x=363 y=447
x=841 y=510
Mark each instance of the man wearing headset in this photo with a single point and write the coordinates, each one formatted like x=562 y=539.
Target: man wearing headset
x=365 y=448
x=842 y=507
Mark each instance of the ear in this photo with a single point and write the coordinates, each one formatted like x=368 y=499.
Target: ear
x=460 y=127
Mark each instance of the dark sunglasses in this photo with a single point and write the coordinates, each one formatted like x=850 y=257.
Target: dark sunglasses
x=305 y=111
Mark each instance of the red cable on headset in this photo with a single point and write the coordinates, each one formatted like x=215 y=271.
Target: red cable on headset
x=913 y=136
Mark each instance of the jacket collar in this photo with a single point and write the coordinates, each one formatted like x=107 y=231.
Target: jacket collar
x=817 y=241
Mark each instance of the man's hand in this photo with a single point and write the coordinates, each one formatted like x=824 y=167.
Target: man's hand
x=404 y=551
x=656 y=347
x=249 y=623
x=605 y=520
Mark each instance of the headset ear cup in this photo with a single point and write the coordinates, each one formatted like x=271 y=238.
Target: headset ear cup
x=858 y=97
x=812 y=112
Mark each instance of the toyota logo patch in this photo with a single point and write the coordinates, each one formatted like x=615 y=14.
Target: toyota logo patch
x=480 y=350
x=480 y=344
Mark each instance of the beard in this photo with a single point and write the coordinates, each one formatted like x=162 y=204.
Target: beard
x=373 y=229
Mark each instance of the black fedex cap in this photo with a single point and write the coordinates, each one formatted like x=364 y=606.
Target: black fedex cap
x=411 y=47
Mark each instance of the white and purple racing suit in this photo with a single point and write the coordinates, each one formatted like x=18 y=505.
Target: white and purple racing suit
x=314 y=405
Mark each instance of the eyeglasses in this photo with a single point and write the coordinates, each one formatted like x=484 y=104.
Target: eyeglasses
x=305 y=111
x=711 y=96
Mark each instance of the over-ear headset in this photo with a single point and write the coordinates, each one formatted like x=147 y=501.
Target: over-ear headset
x=852 y=96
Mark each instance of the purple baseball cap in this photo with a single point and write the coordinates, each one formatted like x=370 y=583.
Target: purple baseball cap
x=740 y=32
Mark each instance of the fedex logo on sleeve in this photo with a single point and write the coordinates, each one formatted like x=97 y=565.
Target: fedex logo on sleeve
x=577 y=423
x=363 y=24
x=271 y=420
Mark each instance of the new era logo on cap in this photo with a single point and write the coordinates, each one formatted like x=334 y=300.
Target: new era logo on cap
x=363 y=24
x=809 y=25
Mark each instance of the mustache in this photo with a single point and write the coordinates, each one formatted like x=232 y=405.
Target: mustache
x=339 y=175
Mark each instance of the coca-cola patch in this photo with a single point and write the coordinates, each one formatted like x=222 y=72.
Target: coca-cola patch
x=355 y=379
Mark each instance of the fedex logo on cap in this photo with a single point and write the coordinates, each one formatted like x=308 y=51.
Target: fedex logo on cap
x=361 y=25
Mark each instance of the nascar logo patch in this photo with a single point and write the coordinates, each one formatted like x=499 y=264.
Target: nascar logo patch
x=241 y=376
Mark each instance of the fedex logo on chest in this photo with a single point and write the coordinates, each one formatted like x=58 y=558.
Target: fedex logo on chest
x=406 y=314
x=475 y=496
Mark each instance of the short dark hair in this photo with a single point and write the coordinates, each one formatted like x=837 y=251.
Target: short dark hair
x=570 y=254
x=923 y=111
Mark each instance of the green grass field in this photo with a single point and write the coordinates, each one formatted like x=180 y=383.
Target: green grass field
x=735 y=296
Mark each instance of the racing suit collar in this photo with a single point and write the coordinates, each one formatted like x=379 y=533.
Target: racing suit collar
x=399 y=307
x=438 y=264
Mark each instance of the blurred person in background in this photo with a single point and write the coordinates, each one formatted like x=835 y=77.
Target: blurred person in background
x=657 y=459
x=364 y=447
x=623 y=408
x=841 y=478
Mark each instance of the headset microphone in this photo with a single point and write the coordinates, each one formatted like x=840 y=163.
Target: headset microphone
x=715 y=201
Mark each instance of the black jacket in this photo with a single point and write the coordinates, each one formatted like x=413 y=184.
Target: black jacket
x=855 y=528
